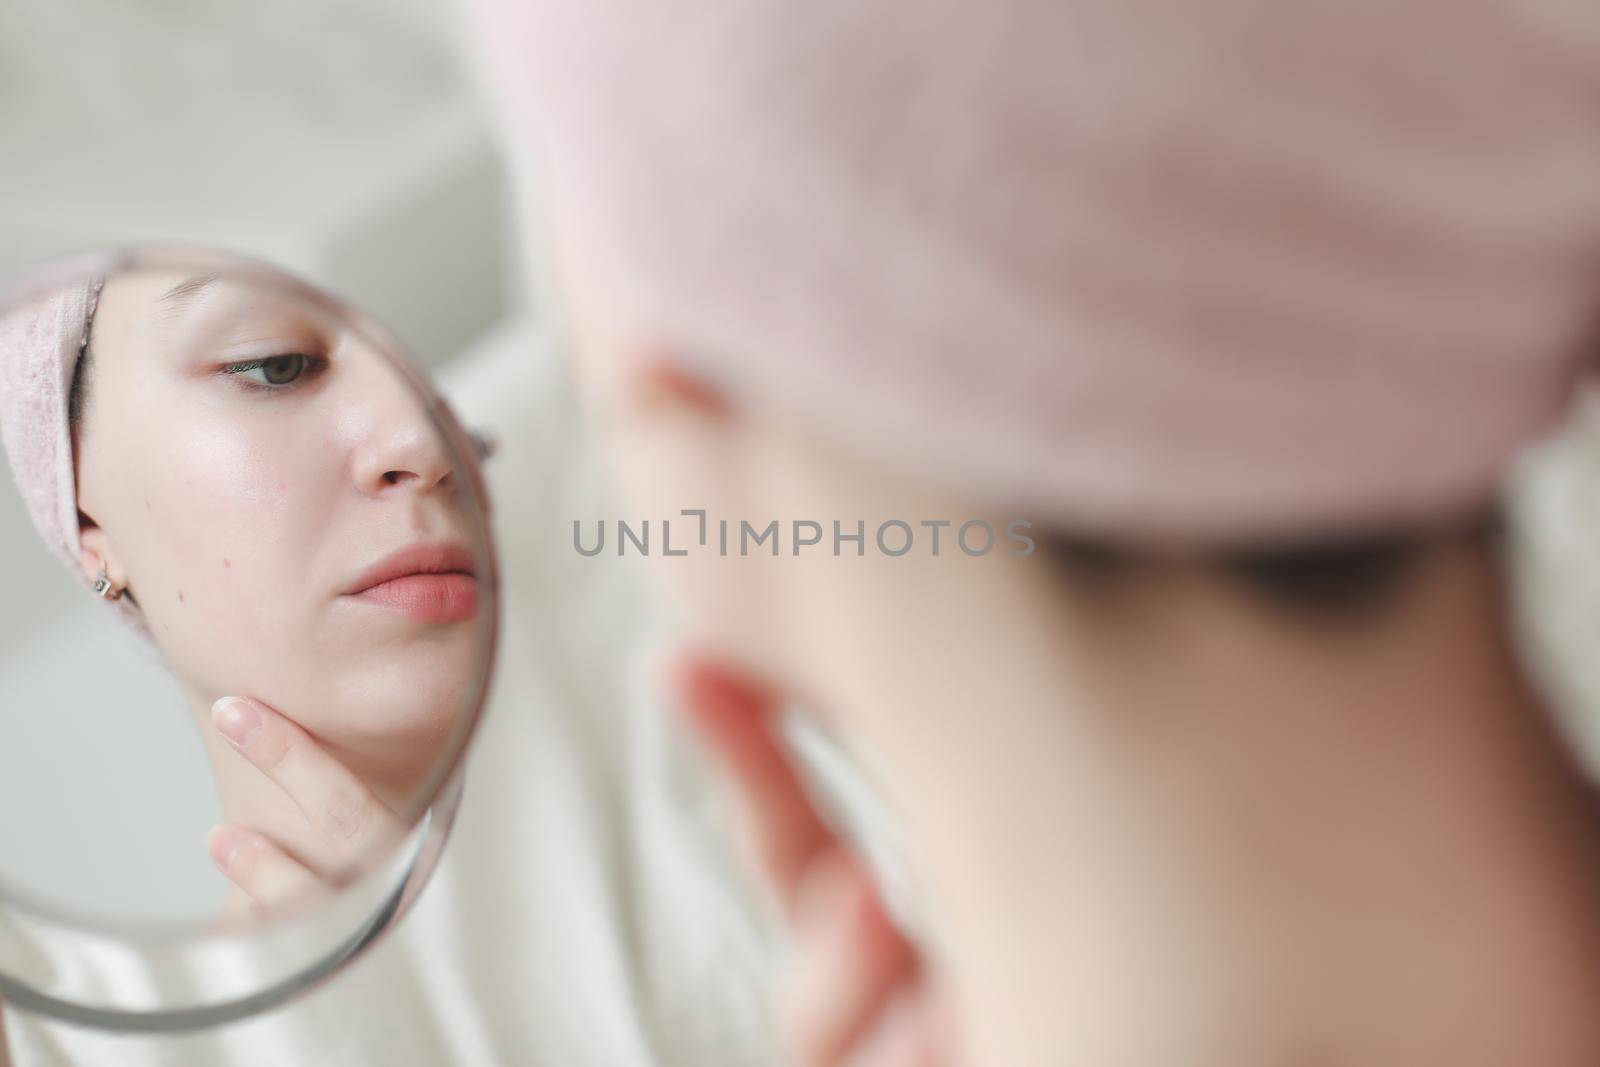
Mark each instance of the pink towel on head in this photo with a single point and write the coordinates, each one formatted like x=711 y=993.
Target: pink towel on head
x=41 y=339
x=1209 y=270
x=43 y=325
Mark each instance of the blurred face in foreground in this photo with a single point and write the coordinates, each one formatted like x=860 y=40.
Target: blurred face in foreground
x=1166 y=810
x=1176 y=809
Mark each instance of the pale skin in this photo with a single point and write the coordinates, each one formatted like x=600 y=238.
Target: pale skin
x=1165 y=823
x=237 y=503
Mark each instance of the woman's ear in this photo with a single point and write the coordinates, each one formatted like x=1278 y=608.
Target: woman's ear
x=94 y=552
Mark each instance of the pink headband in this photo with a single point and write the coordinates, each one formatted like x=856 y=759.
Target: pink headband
x=1217 y=270
x=43 y=330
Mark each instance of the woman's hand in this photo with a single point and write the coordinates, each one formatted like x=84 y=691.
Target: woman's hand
x=854 y=992
x=350 y=826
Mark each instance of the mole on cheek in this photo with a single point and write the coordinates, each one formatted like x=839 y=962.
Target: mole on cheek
x=180 y=596
x=227 y=562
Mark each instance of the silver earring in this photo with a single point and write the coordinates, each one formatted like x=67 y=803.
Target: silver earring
x=103 y=587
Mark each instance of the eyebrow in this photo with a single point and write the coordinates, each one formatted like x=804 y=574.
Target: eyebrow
x=181 y=295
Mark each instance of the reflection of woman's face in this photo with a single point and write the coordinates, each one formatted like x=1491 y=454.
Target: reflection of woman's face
x=244 y=465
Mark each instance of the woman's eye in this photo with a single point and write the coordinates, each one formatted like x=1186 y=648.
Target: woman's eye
x=281 y=370
x=274 y=372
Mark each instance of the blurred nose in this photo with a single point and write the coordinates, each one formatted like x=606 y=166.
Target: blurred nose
x=395 y=447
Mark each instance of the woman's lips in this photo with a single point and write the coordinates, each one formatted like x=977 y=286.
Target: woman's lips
x=425 y=582
x=427 y=597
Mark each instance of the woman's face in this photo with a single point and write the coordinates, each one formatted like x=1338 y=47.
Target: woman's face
x=251 y=471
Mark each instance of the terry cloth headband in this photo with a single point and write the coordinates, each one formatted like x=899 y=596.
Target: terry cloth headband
x=1214 y=271
x=44 y=328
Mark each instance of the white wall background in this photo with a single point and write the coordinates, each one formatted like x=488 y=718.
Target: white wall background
x=341 y=138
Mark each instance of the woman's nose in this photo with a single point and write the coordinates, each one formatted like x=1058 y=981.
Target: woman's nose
x=397 y=446
x=407 y=456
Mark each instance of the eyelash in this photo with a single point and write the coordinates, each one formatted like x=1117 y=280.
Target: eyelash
x=314 y=366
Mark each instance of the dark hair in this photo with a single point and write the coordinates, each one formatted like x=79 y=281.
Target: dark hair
x=1339 y=578
x=78 y=394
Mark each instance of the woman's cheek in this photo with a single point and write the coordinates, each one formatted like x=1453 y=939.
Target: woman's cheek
x=215 y=585
x=230 y=462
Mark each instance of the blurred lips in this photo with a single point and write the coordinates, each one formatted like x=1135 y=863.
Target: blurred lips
x=424 y=582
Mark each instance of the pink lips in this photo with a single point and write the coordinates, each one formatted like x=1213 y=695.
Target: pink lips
x=425 y=582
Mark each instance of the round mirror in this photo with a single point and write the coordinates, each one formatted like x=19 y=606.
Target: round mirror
x=248 y=634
